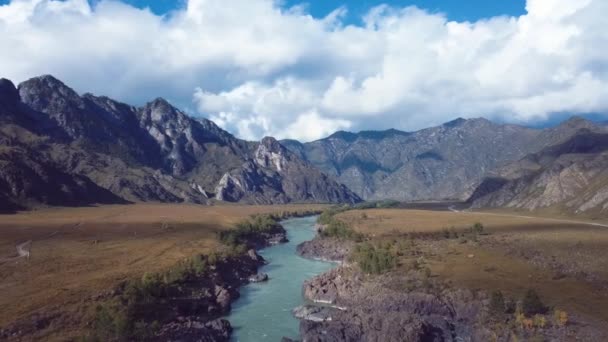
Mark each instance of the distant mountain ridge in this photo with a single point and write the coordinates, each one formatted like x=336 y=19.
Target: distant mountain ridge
x=572 y=175
x=444 y=162
x=60 y=148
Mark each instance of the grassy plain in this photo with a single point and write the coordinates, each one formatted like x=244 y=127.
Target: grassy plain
x=563 y=258
x=77 y=253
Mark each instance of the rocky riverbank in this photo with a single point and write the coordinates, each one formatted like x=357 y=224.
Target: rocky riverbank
x=326 y=249
x=186 y=303
x=409 y=304
x=196 y=308
x=212 y=295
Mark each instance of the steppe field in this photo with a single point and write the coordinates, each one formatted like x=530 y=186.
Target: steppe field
x=78 y=253
x=563 y=258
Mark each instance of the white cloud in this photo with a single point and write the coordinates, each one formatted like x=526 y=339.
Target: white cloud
x=259 y=69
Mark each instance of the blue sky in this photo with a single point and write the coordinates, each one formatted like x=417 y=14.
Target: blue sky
x=469 y=10
x=458 y=10
x=259 y=71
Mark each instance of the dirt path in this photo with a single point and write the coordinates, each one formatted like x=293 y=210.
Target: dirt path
x=23 y=250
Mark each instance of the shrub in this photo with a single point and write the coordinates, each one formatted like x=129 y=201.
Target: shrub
x=477 y=228
x=340 y=230
x=540 y=321
x=510 y=306
x=532 y=305
x=497 y=303
x=111 y=323
x=250 y=229
x=561 y=318
x=373 y=259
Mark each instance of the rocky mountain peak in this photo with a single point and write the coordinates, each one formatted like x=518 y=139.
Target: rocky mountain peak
x=9 y=97
x=455 y=123
x=161 y=111
x=576 y=122
x=44 y=89
x=272 y=145
x=271 y=154
x=8 y=92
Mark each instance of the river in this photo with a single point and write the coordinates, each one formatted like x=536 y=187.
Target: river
x=263 y=312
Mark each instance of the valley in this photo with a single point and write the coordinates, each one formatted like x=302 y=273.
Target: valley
x=79 y=254
x=144 y=223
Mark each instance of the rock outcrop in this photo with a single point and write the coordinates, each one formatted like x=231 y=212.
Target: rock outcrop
x=327 y=249
x=276 y=175
x=373 y=309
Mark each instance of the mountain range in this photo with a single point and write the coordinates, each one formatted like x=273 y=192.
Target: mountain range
x=443 y=162
x=61 y=148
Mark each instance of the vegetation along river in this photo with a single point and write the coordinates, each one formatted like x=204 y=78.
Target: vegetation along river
x=263 y=312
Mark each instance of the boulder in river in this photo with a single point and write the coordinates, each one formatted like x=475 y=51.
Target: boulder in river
x=258 y=278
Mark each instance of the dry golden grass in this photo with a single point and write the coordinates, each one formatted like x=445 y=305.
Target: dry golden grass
x=388 y=221
x=491 y=269
x=80 y=252
x=503 y=260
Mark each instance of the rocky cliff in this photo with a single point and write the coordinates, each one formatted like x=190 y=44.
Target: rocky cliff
x=60 y=148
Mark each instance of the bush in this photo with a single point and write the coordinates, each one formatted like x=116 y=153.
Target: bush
x=252 y=229
x=477 y=228
x=540 y=321
x=561 y=318
x=374 y=259
x=111 y=323
x=497 y=303
x=340 y=230
x=532 y=305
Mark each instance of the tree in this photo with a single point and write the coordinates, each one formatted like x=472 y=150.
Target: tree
x=497 y=303
x=532 y=305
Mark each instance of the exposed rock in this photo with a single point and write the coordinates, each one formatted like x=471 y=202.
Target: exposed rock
x=327 y=249
x=193 y=330
x=276 y=175
x=223 y=297
x=443 y=162
x=313 y=313
x=258 y=278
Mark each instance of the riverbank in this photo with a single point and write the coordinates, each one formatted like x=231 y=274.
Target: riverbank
x=149 y=268
x=410 y=301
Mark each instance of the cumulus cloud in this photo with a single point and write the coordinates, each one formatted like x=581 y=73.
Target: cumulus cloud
x=257 y=68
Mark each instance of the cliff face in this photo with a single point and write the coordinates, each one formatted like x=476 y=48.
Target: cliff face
x=572 y=175
x=60 y=148
x=276 y=175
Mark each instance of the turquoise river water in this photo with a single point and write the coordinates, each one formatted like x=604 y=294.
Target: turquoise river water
x=263 y=312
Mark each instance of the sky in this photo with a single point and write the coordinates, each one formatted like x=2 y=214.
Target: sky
x=303 y=70
x=454 y=9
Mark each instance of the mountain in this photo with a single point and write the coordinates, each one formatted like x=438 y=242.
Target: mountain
x=276 y=175
x=572 y=175
x=60 y=148
x=443 y=162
